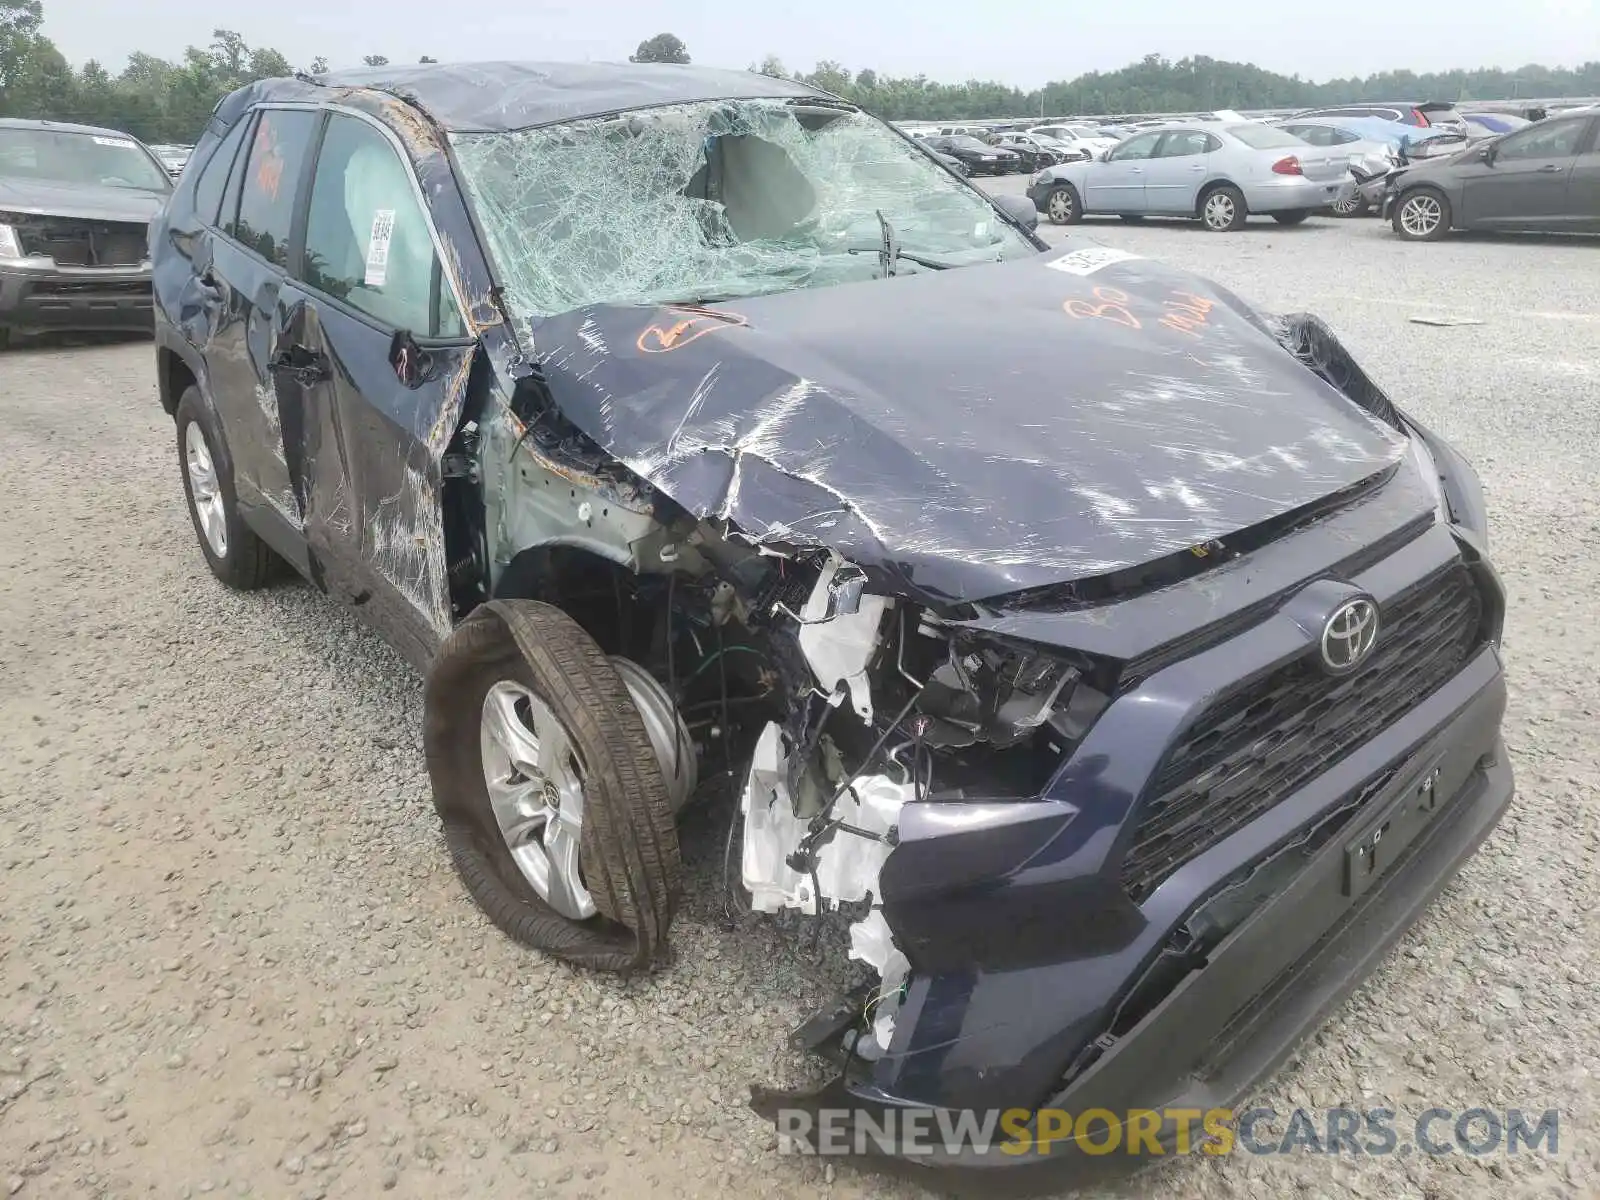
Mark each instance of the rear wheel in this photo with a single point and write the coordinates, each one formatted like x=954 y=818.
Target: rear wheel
x=1422 y=215
x=1222 y=209
x=1293 y=217
x=1063 y=206
x=551 y=788
x=234 y=553
x=1355 y=206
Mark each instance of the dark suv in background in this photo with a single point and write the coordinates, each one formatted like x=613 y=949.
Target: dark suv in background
x=75 y=208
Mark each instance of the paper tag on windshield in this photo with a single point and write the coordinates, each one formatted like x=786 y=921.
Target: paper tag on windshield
x=120 y=143
x=1089 y=260
x=378 y=248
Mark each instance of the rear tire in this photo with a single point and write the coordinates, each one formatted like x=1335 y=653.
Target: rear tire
x=626 y=865
x=1063 y=206
x=1354 y=207
x=1222 y=209
x=234 y=553
x=1294 y=216
x=1421 y=215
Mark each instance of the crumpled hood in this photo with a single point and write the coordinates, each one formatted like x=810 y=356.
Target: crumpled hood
x=972 y=432
x=89 y=202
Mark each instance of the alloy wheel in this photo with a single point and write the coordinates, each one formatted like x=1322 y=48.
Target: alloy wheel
x=536 y=791
x=204 y=492
x=1219 y=210
x=1420 y=215
x=1061 y=206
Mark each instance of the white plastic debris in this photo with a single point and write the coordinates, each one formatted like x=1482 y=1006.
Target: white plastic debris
x=840 y=648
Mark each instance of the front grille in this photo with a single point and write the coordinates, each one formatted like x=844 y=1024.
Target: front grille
x=92 y=287
x=75 y=243
x=1270 y=736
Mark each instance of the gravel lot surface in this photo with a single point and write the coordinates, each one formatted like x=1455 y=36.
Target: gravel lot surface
x=234 y=959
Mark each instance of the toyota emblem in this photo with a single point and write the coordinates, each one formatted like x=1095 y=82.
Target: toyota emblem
x=1349 y=635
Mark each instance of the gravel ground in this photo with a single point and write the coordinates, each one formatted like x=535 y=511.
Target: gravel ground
x=234 y=960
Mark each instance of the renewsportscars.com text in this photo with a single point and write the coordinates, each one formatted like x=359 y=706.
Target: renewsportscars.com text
x=1216 y=1131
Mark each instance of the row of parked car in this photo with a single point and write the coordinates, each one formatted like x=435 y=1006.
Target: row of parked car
x=973 y=150
x=1425 y=167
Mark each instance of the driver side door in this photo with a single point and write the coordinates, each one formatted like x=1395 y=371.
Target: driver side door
x=374 y=354
x=1526 y=184
x=1117 y=184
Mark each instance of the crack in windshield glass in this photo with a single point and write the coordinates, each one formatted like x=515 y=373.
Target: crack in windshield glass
x=720 y=199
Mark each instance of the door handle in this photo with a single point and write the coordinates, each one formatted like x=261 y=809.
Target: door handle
x=304 y=365
x=1198 y=167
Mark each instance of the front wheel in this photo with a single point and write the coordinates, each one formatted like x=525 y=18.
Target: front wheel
x=1063 y=207
x=1222 y=209
x=551 y=789
x=1422 y=216
x=1292 y=217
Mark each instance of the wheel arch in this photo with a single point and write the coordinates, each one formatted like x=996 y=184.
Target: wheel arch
x=1209 y=186
x=174 y=376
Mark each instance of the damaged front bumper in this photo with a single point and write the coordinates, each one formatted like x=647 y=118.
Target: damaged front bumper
x=1043 y=973
x=996 y=1036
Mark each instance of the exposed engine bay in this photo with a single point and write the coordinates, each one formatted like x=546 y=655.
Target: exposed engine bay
x=823 y=706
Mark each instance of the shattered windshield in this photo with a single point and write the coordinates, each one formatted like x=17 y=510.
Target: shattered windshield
x=712 y=201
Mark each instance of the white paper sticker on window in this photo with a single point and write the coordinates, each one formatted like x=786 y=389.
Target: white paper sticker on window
x=1089 y=260
x=378 y=248
x=120 y=143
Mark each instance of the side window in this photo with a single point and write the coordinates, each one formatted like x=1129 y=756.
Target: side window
x=1555 y=140
x=1140 y=147
x=214 y=178
x=1317 y=135
x=368 y=241
x=1341 y=137
x=1185 y=144
x=279 y=150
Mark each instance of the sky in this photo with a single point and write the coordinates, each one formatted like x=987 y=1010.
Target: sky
x=1015 y=41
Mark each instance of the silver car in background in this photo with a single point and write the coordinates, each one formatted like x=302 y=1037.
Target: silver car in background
x=1218 y=172
x=1368 y=157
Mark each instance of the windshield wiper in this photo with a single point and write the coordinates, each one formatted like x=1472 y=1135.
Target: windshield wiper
x=889 y=251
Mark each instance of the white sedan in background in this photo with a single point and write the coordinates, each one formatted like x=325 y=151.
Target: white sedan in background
x=1214 y=171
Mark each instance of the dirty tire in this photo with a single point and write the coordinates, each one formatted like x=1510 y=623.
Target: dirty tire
x=1063 y=206
x=1421 y=215
x=629 y=844
x=246 y=563
x=1222 y=209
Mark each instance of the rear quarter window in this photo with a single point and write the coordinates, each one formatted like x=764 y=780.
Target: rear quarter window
x=279 y=152
x=213 y=180
x=1265 y=137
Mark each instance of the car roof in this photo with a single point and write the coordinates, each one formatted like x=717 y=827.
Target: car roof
x=496 y=97
x=64 y=127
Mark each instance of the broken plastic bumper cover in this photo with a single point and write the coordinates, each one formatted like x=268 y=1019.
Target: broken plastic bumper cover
x=1219 y=1029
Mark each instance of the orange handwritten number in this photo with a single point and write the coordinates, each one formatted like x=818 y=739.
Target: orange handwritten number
x=1113 y=306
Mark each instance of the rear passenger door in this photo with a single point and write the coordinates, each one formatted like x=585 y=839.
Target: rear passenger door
x=1173 y=177
x=373 y=347
x=1582 y=204
x=243 y=285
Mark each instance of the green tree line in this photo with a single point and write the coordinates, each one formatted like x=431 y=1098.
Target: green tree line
x=160 y=100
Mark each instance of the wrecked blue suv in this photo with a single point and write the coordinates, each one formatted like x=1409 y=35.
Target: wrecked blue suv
x=1119 y=662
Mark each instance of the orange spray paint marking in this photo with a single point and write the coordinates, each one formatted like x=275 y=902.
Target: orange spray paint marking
x=660 y=338
x=1113 y=306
